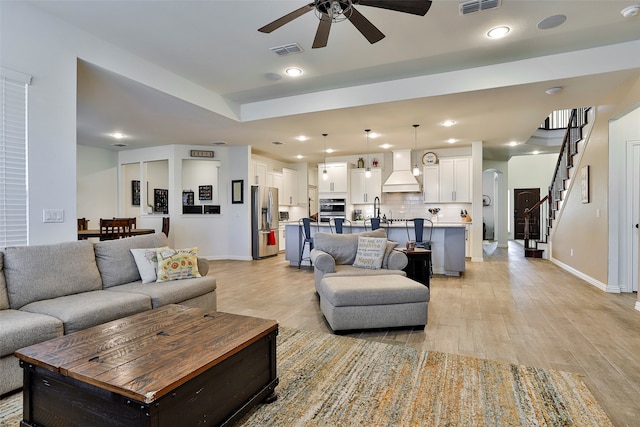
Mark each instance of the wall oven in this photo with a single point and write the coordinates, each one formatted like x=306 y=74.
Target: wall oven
x=332 y=208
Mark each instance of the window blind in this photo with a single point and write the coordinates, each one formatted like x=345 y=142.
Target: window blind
x=14 y=230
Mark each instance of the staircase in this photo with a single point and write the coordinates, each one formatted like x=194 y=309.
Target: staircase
x=562 y=176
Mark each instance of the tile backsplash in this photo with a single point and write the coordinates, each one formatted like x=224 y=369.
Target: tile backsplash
x=411 y=205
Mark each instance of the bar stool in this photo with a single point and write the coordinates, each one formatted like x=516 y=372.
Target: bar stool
x=418 y=225
x=375 y=223
x=339 y=223
x=304 y=224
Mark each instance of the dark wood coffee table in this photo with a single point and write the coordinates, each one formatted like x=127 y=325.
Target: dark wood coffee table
x=171 y=366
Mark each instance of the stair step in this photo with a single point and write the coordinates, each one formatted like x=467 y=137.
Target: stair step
x=533 y=253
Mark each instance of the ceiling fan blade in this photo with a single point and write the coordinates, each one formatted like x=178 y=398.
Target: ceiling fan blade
x=415 y=7
x=286 y=18
x=322 y=34
x=365 y=26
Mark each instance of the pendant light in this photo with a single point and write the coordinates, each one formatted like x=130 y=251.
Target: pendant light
x=367 y=173
x=416 y=169
x=325 y=176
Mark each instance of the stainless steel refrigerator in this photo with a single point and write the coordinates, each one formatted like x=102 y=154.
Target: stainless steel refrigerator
x=264 y=221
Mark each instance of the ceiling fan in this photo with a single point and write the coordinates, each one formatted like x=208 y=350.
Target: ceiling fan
x=330 y=11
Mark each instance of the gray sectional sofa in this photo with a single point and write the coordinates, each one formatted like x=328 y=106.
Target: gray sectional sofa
x=50 y=290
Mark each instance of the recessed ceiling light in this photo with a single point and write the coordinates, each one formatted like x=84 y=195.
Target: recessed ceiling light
x=302 y=138
x=299 y=156
x=535 y=152
x=630 y=11
x=498 y=32
x=386 y=146
x=118 y=135
x=293 y=72
x=374 y=135
x=553 y=90
x=452 y=140
x=551 y=22
x=513 y=143
x=448 y=123
x=330 y=150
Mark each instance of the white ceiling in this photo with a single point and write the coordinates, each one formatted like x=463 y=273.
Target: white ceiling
x=387 y=86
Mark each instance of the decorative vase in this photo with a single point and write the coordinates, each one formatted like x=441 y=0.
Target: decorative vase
x=360 y=163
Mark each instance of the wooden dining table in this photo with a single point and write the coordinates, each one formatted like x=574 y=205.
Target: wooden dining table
x=85 y=234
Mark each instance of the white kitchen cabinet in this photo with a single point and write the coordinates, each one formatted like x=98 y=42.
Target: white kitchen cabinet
x=259 y=171
x=455 y=180
x=431 y=184
x=363 y=190
x=274 y=179
x=289 y=195
x=337 y=178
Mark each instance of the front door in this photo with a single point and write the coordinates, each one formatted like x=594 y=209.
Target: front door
x=525 y=198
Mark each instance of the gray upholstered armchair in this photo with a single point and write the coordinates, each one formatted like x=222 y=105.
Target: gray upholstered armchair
x=334 y=254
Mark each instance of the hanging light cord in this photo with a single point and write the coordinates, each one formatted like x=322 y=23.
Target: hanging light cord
x=416 y=169
x=324 y=171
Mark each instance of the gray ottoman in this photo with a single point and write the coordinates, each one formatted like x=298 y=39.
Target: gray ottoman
x=367 y=302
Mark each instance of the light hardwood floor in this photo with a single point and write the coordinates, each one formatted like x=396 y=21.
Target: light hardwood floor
x=521 y=310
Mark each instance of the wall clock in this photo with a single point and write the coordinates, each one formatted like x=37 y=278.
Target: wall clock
x=429 y=158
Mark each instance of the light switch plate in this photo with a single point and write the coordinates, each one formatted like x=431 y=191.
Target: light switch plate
x=53 y=215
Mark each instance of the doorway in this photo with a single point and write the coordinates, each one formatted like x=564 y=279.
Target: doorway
x=525 y=198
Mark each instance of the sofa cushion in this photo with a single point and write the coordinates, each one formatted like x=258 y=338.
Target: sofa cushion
x=177 y=264
x=4 y=297
x=371 y=290
x=35 y=273
x=115 y=261
x=82 y=311
x=387 y=252
x=21 y=329
x=172 y=292
x=342 y=247
x=147 y=262
x=350 y=270
x=370 y=252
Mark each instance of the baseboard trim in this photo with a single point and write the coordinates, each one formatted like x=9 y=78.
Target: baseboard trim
x=598 y=284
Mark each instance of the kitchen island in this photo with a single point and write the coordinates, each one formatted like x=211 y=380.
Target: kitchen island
x=447 y=242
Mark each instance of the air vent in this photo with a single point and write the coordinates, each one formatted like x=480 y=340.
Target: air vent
x=474 y=6
x=287 y=49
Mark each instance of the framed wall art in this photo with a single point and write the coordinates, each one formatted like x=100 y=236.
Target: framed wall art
x=205 y=192
x=135 y=193
x=237 y=191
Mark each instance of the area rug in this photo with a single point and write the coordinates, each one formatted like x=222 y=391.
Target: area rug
x=329 y=380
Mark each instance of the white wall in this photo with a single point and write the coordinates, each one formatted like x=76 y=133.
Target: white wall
x=37 y=44
x=621 y=132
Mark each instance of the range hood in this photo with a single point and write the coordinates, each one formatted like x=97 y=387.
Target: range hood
x=401 y=179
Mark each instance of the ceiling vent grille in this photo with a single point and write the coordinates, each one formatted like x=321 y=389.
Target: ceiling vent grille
x=287 y=49
x=474 y=6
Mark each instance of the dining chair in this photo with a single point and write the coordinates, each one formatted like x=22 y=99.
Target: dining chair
x=83 y=224
x=165 y=225
x=111 y=229
x=132 y=221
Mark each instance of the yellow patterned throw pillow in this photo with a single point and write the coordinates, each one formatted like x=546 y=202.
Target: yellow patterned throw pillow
x=370 y=252
x=176 y=264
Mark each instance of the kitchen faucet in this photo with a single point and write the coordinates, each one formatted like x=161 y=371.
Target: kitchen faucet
x=376 y=207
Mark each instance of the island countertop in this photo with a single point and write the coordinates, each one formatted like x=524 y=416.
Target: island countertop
x=447 y=241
